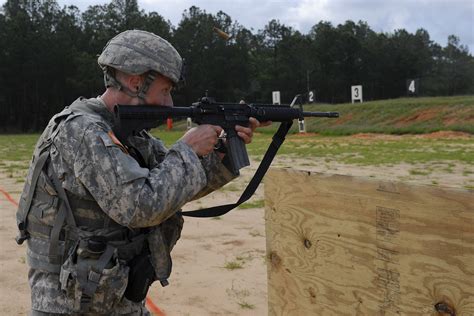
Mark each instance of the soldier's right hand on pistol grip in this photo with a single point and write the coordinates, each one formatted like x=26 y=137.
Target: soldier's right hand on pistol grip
x=202 y=138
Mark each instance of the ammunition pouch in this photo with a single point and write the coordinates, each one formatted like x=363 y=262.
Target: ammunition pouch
x=93 y=277
x=161 y=241
x=140 y=278
x=154 y=263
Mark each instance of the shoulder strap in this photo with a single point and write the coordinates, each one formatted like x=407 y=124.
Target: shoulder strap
x=277 y=140
x=23 y=235
x=43 y=149
x=64 y=213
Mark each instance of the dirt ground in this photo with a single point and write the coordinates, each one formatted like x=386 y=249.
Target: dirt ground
x=219 y=264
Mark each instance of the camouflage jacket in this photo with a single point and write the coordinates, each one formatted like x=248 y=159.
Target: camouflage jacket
x=93 y=165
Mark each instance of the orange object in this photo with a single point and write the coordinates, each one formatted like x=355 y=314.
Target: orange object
x=153 y=308
x=9 y=198
x=169 y=123
x=221 y=33
x=117 y=142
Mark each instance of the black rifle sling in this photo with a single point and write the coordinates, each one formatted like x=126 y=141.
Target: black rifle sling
x=219 y=210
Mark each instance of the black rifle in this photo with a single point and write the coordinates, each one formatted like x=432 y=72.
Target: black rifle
x=131 y=119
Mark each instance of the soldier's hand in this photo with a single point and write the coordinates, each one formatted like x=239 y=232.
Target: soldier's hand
x=246 y=133
x=202 y=138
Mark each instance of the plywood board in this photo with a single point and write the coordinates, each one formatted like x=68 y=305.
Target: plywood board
x=341 y=245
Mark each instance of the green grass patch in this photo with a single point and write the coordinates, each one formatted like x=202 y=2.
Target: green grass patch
x=17 y=147
x=396 y=116
x=371 y=151
x=467 y=172
x=233 y=265
x=246 y=305
x=231 y=187
x=168 y=137
x=418 y=172
x=252 y=204
x=16 y=150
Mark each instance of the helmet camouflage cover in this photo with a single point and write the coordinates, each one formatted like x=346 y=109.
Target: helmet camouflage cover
x=136 y=52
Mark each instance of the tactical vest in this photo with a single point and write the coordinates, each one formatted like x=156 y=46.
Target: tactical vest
x=53 y=220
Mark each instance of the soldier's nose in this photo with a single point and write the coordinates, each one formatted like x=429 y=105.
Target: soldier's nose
x=168 y=101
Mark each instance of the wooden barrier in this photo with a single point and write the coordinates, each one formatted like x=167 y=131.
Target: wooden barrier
x=341 y=245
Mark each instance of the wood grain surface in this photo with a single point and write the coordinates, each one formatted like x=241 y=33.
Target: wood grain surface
x=340 y=245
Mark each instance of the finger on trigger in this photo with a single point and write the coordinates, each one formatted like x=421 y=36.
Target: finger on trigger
x=218 y=130
x=244 y=136
x=254 y=122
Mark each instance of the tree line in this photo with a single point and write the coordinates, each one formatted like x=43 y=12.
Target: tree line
x=48 y=58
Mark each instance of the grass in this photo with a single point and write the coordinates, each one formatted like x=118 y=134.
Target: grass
x=233 y=265
x=467 y=172
x=417 y=172
x=231 y=187
x=17 y=147
x=398 y=116
x=252 y=204
x=16 y=150
x=240 y=296
x=246 y=305
x=371 y=151
x=394 y=116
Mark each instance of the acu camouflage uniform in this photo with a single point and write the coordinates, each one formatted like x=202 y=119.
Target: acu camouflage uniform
x=94 y=168
x=111 y=196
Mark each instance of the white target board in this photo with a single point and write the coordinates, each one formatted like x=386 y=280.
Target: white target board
x=356 y=93
x=189 y=123
x=311 y=96
x=276 y=97
x=412 y=87
x=301 y=126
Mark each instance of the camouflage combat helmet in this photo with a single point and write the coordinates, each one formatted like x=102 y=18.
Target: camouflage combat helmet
x=138 y=52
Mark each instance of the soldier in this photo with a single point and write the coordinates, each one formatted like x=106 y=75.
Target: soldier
x=100 y=218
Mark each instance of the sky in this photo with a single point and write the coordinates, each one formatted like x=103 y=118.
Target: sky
x=440 y=18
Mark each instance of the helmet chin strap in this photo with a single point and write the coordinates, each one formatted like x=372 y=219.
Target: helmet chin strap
x=111 y=81
x=150 y=77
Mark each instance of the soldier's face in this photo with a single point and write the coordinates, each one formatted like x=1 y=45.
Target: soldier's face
x=159 y=92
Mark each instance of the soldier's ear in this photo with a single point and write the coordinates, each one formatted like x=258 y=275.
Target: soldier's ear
x=134 y=82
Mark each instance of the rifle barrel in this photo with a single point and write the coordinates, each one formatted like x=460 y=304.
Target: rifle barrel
x=321 y=114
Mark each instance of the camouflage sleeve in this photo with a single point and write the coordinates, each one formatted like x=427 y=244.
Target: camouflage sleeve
x=217 y=174
x=131 y=195
x=152 y=149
